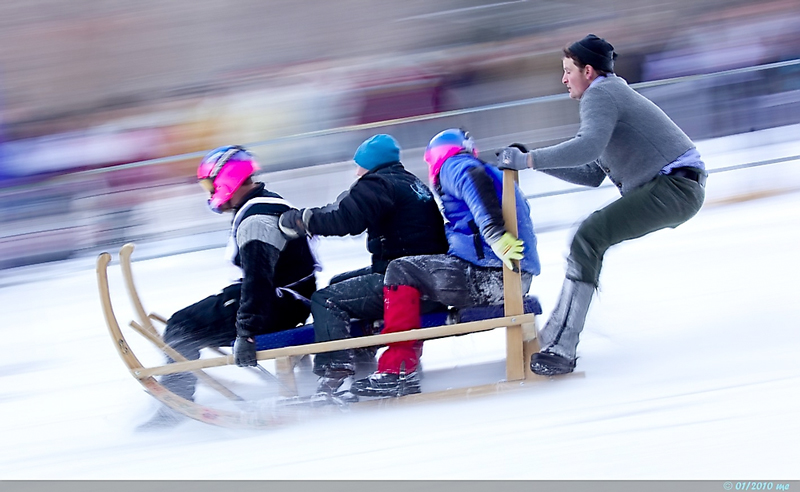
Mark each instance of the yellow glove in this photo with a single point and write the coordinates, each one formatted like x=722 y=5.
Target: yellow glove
x=508 y=248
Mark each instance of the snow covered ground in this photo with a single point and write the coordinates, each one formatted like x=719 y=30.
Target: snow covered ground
x=690 y=365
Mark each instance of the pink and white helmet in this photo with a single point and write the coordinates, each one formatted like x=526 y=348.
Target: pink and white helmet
x=445 y=145
x=222 y=171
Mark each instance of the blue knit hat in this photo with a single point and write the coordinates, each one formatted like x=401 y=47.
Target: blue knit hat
x=376 y=150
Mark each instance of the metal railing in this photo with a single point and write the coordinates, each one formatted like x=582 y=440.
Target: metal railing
x=533 y=121
x=435 y=117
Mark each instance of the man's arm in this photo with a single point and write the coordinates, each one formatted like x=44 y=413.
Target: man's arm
x=587 y=175
x=599 y=114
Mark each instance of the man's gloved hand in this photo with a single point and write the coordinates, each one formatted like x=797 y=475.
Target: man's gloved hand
x=244 y=351
x=291 y=223
x=515 y=156
x=508 y=248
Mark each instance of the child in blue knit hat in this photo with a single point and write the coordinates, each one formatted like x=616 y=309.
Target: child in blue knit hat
x=401 y=218
x=375 y=151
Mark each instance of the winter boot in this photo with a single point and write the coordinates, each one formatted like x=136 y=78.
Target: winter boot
x=382 y=384
x=165 y=418
x=396 y=374
x=559 y=338
x=365 y=360
x=336 y=373
x=181 y=383
x=550 y=364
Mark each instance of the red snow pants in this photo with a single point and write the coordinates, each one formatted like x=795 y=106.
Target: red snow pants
x=401 y=312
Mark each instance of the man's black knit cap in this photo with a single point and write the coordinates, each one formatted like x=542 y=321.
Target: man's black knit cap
x=596 y=52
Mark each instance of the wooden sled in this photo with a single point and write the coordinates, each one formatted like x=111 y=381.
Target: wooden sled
x=286 y=347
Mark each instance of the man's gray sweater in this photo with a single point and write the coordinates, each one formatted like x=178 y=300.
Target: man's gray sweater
x=622 y=135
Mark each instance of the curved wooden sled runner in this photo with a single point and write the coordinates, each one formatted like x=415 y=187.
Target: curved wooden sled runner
x=520 y=344
x=247 y=418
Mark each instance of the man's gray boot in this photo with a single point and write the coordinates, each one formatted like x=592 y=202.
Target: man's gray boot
x=560 y=336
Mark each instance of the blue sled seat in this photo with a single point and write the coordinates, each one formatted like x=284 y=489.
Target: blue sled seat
x=304 y=335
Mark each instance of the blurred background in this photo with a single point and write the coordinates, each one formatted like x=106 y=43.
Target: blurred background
x=106 y=106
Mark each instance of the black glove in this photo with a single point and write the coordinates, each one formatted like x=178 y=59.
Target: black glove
x=291 y=224
x=515 y=156
x=244 y=351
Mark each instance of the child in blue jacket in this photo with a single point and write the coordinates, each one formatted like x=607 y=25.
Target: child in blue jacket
x=471 y=273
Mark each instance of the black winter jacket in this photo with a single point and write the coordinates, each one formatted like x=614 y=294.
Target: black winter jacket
x=268 y=271
x=396 y=209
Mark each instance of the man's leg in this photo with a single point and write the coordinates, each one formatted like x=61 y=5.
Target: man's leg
x=663 y=202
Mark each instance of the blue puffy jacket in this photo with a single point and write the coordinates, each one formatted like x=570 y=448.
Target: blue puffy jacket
x=471 y=193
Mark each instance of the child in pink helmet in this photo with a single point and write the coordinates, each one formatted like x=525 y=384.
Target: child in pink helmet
x=278 y=275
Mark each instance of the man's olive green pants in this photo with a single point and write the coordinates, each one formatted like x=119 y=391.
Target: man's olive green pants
x=666 y=201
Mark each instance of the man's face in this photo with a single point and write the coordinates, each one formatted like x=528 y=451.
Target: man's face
x=577 y=80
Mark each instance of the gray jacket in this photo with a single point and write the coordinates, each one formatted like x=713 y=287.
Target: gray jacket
x=622 y=135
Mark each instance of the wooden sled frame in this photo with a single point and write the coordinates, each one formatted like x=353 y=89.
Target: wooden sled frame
x=520 y=328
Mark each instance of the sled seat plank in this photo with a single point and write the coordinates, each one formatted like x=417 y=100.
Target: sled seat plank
x=304 y=335
x=349 y=343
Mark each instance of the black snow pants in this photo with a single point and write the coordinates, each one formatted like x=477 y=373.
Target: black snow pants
x=449 y=280
x=211 y=322
x=352 y=295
